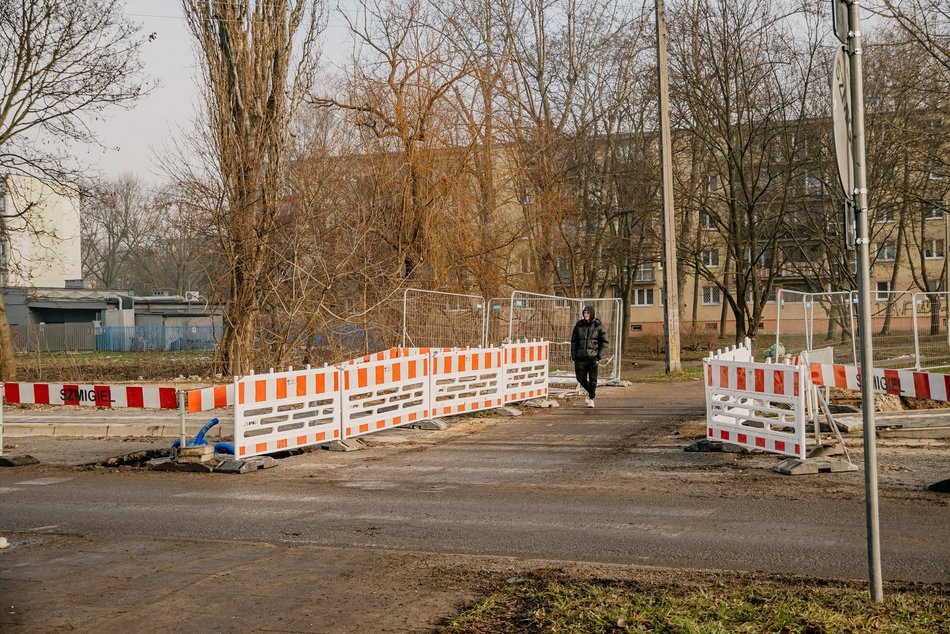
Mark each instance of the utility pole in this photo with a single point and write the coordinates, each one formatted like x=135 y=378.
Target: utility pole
x=671 y=313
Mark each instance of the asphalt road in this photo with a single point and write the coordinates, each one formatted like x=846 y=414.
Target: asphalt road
x=607 y=485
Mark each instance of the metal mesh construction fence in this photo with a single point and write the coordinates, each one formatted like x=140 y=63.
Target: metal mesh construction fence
x=808 y=321
x=552 y=318
x=442 y=320
x=909 y=329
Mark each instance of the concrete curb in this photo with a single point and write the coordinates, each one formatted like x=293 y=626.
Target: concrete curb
x=121 y=430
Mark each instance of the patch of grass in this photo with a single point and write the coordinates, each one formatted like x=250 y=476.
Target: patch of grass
x=688 y=373
x=114 y=366
x=550 y=601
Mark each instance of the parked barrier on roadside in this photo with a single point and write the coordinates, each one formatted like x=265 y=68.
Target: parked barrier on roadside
x=526 y=370
x=91 y=395
x=379 y=395
x=286 y=410
x=756 y=405
x=466 y=381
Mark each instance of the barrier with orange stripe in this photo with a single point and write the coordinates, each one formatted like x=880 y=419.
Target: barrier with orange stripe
x=208 y=398
x=396 y=387
x=378 y=395
x=286 y=410
x=935 y=387
x=756 y=405
x=466 y=381
x=526 y=370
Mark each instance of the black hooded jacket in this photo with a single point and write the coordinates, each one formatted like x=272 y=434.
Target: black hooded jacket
x=589 y=339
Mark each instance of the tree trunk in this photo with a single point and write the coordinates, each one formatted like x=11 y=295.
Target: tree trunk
x=7 y=360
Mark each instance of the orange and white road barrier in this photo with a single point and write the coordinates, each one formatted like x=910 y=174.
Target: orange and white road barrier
x=907 y=383
x=208 y=398
x=378 y=395
x=466 y=381
x=286 y=410
x=756 y=405
x=526 y=370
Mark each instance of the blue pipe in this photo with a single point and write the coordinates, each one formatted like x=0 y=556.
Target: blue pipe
x=200 y=438
x=224 y=447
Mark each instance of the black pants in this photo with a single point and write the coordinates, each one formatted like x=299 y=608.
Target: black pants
x=586 y=373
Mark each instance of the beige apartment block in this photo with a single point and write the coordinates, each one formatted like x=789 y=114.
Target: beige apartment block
x=39 y=234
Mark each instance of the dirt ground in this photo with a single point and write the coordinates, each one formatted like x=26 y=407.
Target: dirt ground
x=119 y=582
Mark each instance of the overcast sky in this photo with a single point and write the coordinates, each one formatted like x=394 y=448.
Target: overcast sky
x=135 y=140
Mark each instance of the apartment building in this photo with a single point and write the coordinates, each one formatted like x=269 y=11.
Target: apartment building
x=39 y=234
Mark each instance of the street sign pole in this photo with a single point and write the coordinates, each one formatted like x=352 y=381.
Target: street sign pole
x=860 y=198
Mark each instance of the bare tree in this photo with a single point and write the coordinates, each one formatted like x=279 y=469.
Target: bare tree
x=741 y=82
x=258 y=59
x=60 y=62
x=119 y=223
x=927 y=22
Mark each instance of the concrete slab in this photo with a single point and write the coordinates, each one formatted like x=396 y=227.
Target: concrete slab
x=350 y=444
x=17 y=461
x=246 y=466
x=432 y=424
x=507 y=411
x=813 y=466
x=715 y=446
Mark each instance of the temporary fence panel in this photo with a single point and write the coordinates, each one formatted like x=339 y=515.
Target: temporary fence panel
x=756 y=405
x=466 y=381
x=380 y=395
x=806 y=321
x=552 y=318
x=930 y=328
x=526 y=370
x=442 y=320
x=133 y=396
x=286 y=410
x=893 y=315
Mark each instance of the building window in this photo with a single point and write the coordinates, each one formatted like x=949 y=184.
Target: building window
x=706 y=221
x=712 y=183
x=710 y=257
x=643 y=297
x=711 y=296
x=886 y=252
x=934 y=209
x=644 y=272
x=935 y=172
x=812 y=184
x=883 y=288
x=933 y=249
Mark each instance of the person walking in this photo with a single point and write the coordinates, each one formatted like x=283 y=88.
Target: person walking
x=588 y=345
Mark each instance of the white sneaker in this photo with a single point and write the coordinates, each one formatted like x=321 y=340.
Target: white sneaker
x=590 y=402
x=587 y=401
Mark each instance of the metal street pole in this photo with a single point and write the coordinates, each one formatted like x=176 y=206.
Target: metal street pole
x=864 y=301
x=671 y=313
